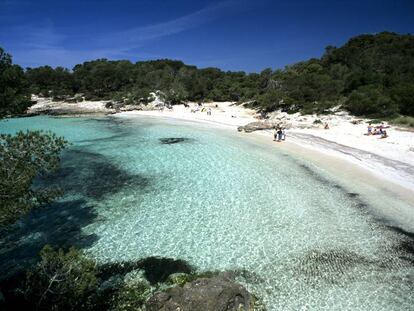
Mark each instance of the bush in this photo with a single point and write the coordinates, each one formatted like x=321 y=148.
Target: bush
x=131 y=297
x=405 y=121
x=61 y=280
x=403 y=94
x=181 y=279
x=370 y=101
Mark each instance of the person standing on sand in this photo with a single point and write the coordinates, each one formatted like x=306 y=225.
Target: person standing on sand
x=283 y=133
x=275 y=134
x=279 y=134
x=369 y=129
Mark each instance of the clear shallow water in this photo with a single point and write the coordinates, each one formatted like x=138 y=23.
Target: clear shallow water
x=221 y=203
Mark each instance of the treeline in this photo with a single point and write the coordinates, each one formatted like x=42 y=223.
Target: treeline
x=371 y=75
x=104 y=79
x=14 y=91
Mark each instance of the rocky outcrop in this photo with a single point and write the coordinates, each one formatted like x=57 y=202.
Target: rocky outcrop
x=218 y=293
x=68 y=107
x=256 y=126
x=154 y=102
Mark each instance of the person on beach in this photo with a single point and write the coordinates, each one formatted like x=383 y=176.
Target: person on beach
x=384 y=134
x=326 y=126
x=209 y=111
x=283 y=133
x=275 y=134
x=279 y=134
x=369 y=129
x=196 y=108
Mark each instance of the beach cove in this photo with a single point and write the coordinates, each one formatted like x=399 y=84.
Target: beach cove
x=141 y=186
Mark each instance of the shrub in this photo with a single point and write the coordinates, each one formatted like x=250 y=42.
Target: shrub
x=370 y=101
x=131 y=297
x=405 y=121
x=61 y=280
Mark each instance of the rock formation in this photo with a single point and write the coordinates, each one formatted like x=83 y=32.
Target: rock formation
x=255 y=126
x=218 y=293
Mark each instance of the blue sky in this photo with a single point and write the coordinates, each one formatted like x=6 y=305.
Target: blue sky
x=232 y=35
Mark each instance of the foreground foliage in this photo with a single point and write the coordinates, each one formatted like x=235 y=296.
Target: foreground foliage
x=23 y=157
x=68 y=280
x=61 y=280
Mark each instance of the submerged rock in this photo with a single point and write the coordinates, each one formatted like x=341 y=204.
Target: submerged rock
x=153 y=269
x=218 y=293
x=173 y=140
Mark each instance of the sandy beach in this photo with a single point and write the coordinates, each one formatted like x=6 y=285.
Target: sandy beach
x=386 y=163
x=389 y=160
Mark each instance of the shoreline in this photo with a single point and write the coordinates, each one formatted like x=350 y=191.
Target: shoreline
x=390 y=201
x=389 y=160
x=351 y=163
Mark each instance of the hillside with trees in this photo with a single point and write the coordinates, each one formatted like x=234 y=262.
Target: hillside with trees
x=14 y=92
x=371 y=75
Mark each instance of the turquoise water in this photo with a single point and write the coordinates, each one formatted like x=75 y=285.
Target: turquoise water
x=222 y=203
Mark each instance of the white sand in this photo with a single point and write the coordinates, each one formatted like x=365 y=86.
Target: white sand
x=225 y=114
x=390 y=159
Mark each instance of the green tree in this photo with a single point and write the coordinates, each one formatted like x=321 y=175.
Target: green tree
x=14 y=95
x=370 y=101
x=403 y=94
x=23 y=157
x=51 y=82
x=176 y=94
x=383 y=61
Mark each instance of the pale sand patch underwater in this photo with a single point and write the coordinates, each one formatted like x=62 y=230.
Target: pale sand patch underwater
x=227 y=200
x=304 y=249
x=389 y=187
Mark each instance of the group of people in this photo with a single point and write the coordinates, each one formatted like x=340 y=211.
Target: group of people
x=279 y=134
x=377 y=130
x=208 y=110
x=197 y=108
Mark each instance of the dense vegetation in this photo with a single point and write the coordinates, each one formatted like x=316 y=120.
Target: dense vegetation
x=14 y=94
x=24 y=157
x=69 y=280
x=371 y=75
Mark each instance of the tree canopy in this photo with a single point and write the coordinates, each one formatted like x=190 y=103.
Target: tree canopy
x=14 y=94
x=24 y=157
x=371 y=75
